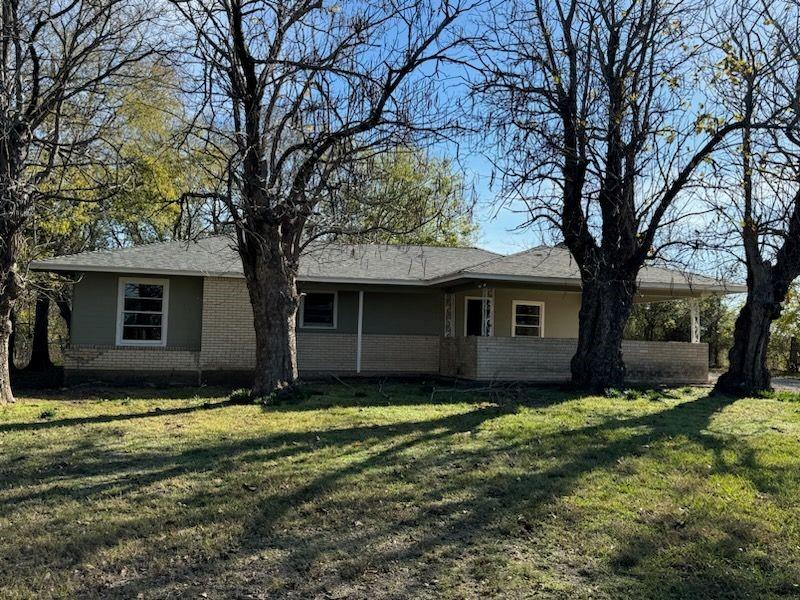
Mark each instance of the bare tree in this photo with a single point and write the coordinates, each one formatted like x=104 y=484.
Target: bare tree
x=299 y=90
x=757 y=197
x=56 y=57
x=597 y=105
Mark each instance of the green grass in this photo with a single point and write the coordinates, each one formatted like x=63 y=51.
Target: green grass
x=394 y=492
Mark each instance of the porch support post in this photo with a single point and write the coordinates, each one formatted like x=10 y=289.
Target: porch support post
x=694 y=316
x=449 y=315
x=487 y=296
x=360 y=329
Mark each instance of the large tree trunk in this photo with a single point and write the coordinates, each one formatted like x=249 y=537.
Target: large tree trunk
x=40 y=345
x=272 y=286
x=605 y=307
x=747 y=373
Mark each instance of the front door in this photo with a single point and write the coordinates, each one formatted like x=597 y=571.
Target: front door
x=475 y=315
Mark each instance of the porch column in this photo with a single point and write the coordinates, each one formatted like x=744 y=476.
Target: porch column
x=694 y=316
x=487 y=295
x=449 y=315
x=359 y=330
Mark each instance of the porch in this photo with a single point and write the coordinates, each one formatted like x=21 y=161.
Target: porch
x=515 y=332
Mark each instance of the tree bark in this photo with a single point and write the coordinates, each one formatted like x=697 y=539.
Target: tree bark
x=747 y=372
x=10 y=288
x=6 y=396
x=40 y=345
x=271 y=278
x=605 y=307
x=12 y=343
x=65 y=310
x=713 y=354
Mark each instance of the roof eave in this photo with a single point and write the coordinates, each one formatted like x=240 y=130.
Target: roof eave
x=574 y=282
x=41 y=265
x=567 y=282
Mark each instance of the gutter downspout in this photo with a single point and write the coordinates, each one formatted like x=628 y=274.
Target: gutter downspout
x=359 y=335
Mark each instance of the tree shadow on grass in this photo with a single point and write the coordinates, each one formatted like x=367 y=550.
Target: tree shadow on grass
x=494 y=506
x=432 y=504
x=438 y=534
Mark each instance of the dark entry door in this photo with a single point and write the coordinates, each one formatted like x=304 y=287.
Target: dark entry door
x=474 y=316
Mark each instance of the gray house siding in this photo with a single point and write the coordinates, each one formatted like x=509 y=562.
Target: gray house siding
x=94 y=310
x=420 y=313
x=412 y=311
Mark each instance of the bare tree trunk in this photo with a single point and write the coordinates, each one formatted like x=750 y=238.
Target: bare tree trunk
x=12 y=343
x=748 y=373
x=605 y=308
x=794 y=356
x=5 y=358
x=272 y=286
x=10 y=288
x=65 y=310
x=713 y=355
x=40 y=345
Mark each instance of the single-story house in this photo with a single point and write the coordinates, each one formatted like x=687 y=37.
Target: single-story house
x=180 y=311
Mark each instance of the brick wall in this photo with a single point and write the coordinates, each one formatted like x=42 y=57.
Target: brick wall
x=547 y=360
x=111 y=363
x=522 y=359
x=326 y=352
x=114 y=358
x=458 y=357
x=399 y=354
x=228 y=338
x=666 y=362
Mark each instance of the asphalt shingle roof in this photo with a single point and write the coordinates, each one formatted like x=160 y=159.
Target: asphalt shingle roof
x=422 y=265
x=556 y=262
x=216 y=256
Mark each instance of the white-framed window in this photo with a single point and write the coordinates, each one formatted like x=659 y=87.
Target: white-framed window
x=318 y=310
x=475 y=312
x=142 y=308
x=528 y=318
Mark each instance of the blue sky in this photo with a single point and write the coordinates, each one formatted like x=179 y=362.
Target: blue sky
x=499 y=226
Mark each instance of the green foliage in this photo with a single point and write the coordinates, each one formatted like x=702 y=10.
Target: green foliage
x=784 y=328
x=134 y=195
x=406 y=197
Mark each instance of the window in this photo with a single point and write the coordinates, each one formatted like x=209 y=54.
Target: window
x=142 y=312
x=318 y=309
x=528 y=318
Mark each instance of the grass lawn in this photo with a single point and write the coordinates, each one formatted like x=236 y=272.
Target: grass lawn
x=361 y=492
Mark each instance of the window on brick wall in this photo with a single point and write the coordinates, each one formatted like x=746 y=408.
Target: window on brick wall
x=318 y=310
x=528 y=318
x=142 y=312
